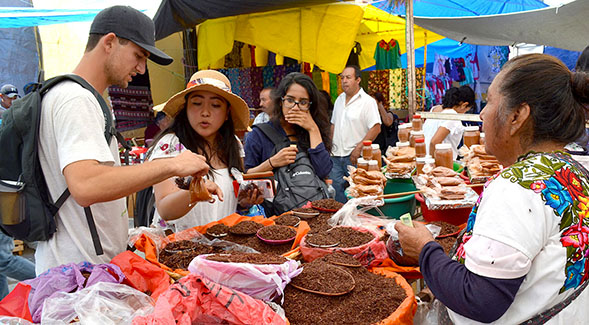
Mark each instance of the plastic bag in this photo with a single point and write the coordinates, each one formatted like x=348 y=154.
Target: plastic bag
x=352 y=214
x=199 y=192
x=261 y=281
x=394 y=248
x=103 y=303
x=197 y=300
x=142 y=275
x=16 y=303
x=6 y=320
x=68 y=278
x=369 y=254
x=428 y=313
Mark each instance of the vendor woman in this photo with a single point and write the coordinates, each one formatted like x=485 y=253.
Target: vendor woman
x=206 y=115
x=525 y=253
x=456 y=100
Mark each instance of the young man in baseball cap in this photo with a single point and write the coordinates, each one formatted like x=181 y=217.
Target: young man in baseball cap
x=8 y=93
x=74 y=154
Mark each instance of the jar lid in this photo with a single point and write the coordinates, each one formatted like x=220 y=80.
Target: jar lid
x=328 y=181
x=443 y=146
x=367 y=143
x=416 y=133
x=372 y=162
x=420 y=140
x=375 y=146
x=416 y=116
x=482 y=134
x=402 y=144
x=361 y=160
x=421 y=159
x=430 y=160
x=471 y=128
x=405 y=126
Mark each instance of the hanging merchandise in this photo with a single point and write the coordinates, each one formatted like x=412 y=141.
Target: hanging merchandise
x=257 y=84
x=268 y=76
x=354 y=58
x=387 y=55
x=253 y=55
x=316 y=76
x=131 y=106
x=378 y=82
x=233 y=59
x=326 y=82
x=245 y=86
x=333 y=86
x=364 y=77
x=307 y=69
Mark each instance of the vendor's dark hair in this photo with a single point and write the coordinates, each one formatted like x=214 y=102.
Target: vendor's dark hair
x=455 y=96
x=226 y=144
x=556 y=96
x=356 y=70
x=583 y=61
x=318 y=108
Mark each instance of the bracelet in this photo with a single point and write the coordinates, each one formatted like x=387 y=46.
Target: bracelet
x=270 y=162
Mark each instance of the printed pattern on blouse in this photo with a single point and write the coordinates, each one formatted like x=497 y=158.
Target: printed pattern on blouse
x=560 y=187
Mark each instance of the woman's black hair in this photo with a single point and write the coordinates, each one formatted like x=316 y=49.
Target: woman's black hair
x=583 y=61
x=225 y=144
x=318 y=108
x=557 y=97
x=456 y=96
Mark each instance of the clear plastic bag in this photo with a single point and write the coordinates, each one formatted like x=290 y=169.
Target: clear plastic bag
x=102 y=303
x=394 y=246
x=353 y=214
x=7 y=320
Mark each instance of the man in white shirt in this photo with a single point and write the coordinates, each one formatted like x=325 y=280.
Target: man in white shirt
x=355 y=119
x=73 y=152
x=266 y=106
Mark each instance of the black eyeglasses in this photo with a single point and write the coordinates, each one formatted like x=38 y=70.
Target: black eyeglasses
x=289 y=103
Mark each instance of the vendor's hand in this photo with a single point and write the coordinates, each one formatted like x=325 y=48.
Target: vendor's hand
x=249 y=197
x=214 y=189
x=355 y=155
x=189 y=164
x=301 y=118
x=413 y=239
x=284 y=157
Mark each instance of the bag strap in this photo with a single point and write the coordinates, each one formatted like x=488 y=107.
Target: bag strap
x=548 y=314
x=271 y=133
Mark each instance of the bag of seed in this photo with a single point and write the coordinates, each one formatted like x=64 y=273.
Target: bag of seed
x=261 y=281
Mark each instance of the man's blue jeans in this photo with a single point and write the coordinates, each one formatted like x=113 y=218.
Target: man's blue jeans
x=12 y=266
x=339 y=170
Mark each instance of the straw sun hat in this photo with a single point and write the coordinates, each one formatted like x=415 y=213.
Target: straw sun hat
x=215 y=82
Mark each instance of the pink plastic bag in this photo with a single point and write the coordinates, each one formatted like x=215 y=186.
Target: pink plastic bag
x=196 y=300
x=369 y=254
x=261 y=281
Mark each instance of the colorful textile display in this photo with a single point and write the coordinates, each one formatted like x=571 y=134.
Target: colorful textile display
x=333 y=85
x=378 y=82
x=387 y=55
x=131 y=106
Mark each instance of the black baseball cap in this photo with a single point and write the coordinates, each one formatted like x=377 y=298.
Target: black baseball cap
x=129 y=23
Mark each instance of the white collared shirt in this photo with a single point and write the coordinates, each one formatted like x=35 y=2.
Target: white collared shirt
x=352 y=121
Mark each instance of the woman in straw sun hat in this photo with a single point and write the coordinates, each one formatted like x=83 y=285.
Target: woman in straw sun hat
x=206 y=115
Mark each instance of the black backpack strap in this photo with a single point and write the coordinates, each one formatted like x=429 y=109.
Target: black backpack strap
x=93 y=231
x=62 y=199
x=279 y=140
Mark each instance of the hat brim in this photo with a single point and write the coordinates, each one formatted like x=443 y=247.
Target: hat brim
x=12 y=95
x=156 y=55
x=238 y=107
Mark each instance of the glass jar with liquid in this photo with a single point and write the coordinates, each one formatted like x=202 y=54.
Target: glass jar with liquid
x=362 y=164
x=415 y=135
x=417 y=122
x=367 y=150
x=373 y=165
x=420 y=150
x=377 y=154
x=403 y=132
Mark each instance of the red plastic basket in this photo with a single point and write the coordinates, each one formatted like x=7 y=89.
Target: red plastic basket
x=453 y=216
x=464 y=176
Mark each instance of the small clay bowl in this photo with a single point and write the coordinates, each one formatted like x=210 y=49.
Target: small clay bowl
x=319 y=245
x=295 y=225
x=306 y=215
x=275 y=241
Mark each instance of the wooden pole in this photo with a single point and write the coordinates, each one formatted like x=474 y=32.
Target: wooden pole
x=410 y=45
x=424 y=66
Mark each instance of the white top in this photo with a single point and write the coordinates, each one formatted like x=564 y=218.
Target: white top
x=511 y=239
x=262 y=117
x=352 y=121
x=430 y=127
x=72 y=129
x=203 y=212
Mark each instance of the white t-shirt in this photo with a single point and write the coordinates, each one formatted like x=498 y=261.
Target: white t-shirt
x=431 y=126
x=263 y=117
x=71 y=130
x=203 y=212
x=507 y=235
x=352 y=121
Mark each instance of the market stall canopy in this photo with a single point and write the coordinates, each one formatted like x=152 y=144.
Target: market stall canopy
x=563 y=27
x=461 y=8
x=322 y=35
x=176 y=15
x=14 y=17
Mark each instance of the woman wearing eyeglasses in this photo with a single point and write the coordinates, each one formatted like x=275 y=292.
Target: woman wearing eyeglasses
x=299 y=113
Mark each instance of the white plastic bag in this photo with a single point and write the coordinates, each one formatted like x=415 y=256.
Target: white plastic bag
x=352 y=214
x=103 y=303
x=261 y=281
x=7 y=320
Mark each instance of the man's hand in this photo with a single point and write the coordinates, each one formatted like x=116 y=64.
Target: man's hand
x=190 y=164
x=413 y=239
x=356 y=154
x=284 y=157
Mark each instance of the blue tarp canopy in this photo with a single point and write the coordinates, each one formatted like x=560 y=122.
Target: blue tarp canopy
x=15 y=17
x=462 y=8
